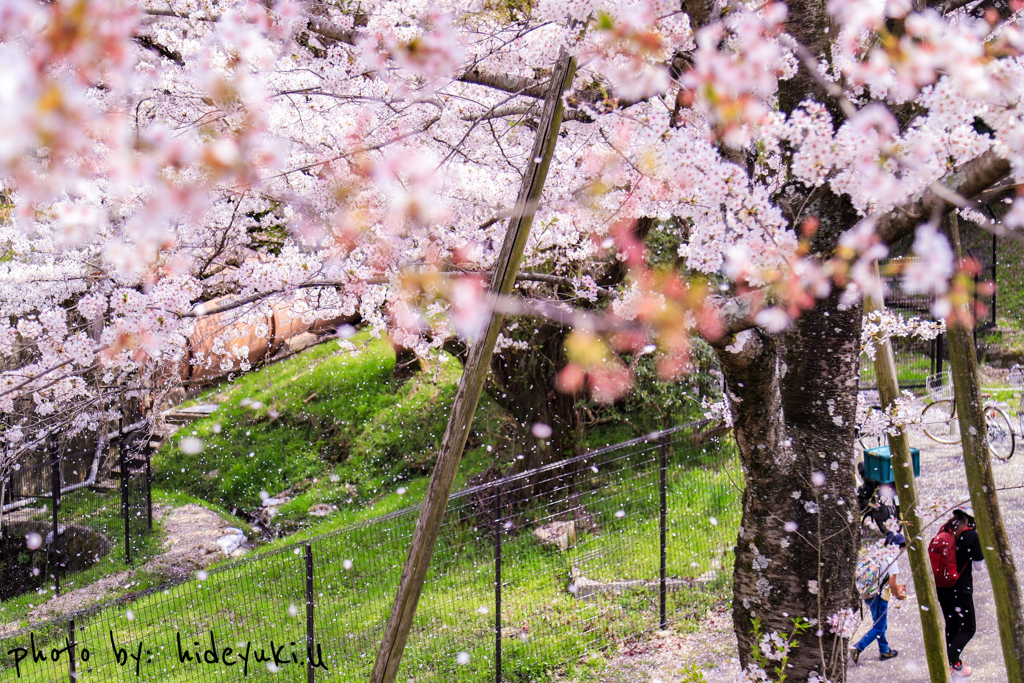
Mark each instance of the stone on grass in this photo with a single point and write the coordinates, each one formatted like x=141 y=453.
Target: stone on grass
x=231 y=542
x=561 y=535
x=321 y=510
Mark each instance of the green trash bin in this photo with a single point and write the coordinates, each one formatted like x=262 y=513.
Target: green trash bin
x=878 y=464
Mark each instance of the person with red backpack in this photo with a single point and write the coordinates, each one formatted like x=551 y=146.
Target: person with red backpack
x=952 y=553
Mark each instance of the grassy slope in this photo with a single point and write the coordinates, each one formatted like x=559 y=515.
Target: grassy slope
x=323 y=420
x=314 y=423
x=1010 y=279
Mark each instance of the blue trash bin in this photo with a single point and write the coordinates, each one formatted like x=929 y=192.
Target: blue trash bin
x=878 y=464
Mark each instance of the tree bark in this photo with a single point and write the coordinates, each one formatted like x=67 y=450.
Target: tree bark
x=523 y=382
x=407 y=363
x=995 y=545
x=932 y=625
x=793 y=399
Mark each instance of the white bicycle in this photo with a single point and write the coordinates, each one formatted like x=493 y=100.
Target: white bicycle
x=940 y=423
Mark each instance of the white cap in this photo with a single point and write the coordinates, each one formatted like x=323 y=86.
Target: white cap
x=966 y=509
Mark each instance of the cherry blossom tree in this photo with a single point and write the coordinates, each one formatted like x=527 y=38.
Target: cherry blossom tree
x=361 y=159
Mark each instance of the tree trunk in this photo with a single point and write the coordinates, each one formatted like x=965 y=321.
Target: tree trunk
x=523 y=382
x=793 y=398
x=995 y=545
x=407 y=363
x=932 y=625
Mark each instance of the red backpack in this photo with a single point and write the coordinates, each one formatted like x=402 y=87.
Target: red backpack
x=942 y=553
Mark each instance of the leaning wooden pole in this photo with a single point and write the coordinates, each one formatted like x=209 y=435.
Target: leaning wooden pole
x=932 y=626
x=995 y=545
x=472 y=383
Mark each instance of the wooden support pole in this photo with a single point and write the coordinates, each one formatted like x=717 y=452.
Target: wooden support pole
x=471 y=384
x=932 y=624
x=995 y=545
x=56 y=551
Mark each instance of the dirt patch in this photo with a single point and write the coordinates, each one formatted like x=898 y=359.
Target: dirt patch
x=79 y=598
x=674 y=657
x=191 y=532
x=993 y=375
x=190 y=542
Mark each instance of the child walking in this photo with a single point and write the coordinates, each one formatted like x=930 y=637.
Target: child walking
x=877 y=600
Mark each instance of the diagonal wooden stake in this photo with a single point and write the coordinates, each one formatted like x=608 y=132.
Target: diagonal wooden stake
x=471 y=385
x=995 y=544
x=932 y=627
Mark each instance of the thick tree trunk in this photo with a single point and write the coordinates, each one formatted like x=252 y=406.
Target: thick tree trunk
x=523 y=382
x=793 y=399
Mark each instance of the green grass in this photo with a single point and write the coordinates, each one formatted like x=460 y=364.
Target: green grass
x=912 y=369
x=353 y=390
x=547 y=629
x=102 y=513
x=1010 y=283
x=311 y=425
x=314 y=423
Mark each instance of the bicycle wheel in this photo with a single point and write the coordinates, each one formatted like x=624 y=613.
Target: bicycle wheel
x=939 y=422
x=1000 y=433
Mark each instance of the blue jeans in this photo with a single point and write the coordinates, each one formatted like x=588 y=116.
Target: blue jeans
x=879 y=620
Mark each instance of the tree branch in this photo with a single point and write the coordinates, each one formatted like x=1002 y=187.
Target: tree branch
x=954 y=190
x=232 y=303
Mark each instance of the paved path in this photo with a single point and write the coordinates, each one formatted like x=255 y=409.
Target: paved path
x=942 y=483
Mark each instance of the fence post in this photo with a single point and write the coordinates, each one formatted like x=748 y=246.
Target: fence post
x=310 y=633
x=149 y=486
x=71 y=651
x=55 y=503
x=995 y=290
x=663 y=488
x=497 y=582
x=121 y=448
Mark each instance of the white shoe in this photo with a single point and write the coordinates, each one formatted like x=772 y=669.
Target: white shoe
x=961 y=670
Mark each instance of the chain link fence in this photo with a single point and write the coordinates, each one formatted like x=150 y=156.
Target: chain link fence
x=68 y=511
x=532 y=574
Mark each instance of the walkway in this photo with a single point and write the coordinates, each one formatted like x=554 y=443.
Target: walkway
x=942 y=485
x=672 y=657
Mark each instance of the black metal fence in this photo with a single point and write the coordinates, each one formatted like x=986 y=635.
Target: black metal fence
x=532 y=573
x=916 y=358
x=68 y=511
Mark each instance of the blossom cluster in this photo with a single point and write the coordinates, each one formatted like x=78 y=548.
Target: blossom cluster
x=875 y=421
x=157 y=155
x=881 y=325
